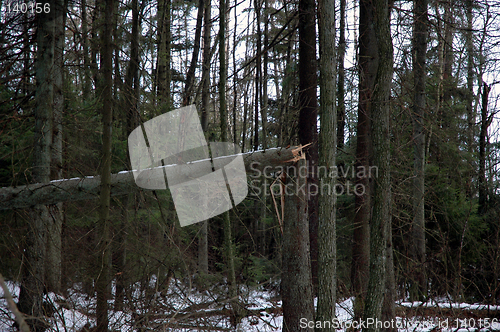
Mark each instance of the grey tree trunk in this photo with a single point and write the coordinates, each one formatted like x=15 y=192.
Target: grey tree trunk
x=418 y=289
x=122 y=183
x=380 y=223
x=228 y=240
x=34 y=270
x=327 y=242
x=54 y=224
x=104 y=260
x=205 y=104
x=296 y=279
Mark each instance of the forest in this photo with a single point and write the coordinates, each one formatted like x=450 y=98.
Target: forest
x=369 y=134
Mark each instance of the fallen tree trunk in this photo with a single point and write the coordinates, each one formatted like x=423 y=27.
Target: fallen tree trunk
x=77 y=189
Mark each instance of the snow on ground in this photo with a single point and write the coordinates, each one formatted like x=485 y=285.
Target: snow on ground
x=179 y=310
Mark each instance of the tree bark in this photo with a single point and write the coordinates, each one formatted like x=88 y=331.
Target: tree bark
x=163 y=74
x=296 y=282
x=341 y=78
x=471 y=116
x=327 y=242
x=418 y=291
x=205 y=102
x=380 y=223
x=368 y=64
x=103 y=279
x=77 y=189
x=308 y=105
x=85 y=48
x=485 y=122
x=188 y=88
x=228 y=239
x=54 y=224
x=258 y=70
x=34 y=270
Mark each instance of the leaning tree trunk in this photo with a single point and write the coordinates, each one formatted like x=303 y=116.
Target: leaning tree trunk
x=327 y=243
x=34 y=269
x=78 y=189
x=418 y=291
x=103 y=279
x=380 y=223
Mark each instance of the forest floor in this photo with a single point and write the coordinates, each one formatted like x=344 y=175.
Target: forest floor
x=180 y=310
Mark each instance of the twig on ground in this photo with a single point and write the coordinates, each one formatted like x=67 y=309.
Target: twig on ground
x=23 y=326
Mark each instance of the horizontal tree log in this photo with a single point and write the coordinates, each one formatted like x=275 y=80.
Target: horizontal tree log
x=77 y=189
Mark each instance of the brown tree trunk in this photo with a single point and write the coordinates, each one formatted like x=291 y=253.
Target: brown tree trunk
x=368 y=64
x=296 y=282
x=327 y=242
x=341 y=79
x=485 y=122
x=188 y=88
x=163 y=74
x=471 y=116
x=419 y=288
x=380 y=223
x=103 y=279
x=308 y=105
x=85 y=48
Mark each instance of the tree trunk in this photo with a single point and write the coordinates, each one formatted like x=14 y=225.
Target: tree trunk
x=418 y=289
x=368 y=63
x=103 y=279
x=341 y=79
x=308 y=105
x=85 y=48
x=327 y=242
x=77 y=189
x=485 y=122
x=258 y=68
x=296 y=282
x=205 y=103
x=34 y=270
x=471 y=116
x=163 y=74
x=188 y=88
x=380 y=223
x=54 y=224
x=228 y=240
